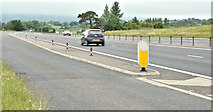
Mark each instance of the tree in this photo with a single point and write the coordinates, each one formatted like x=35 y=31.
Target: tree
x=106 y=10
x=131 y=25
x=14 y=25
x=65 y=25
x=108 y=22
x=90 y=16
x=145 y=24
x=135 y=20
x=166 y=21
x=73 y=23
x=148 y=20
x=158 y=25
x=46 y=28
x=1 y=25
x=97 y=23
x=117 y=12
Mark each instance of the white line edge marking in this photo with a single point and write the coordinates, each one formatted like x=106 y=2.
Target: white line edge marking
x=194 y=56
x=132 y=60
x=154 y=65
x=142 y=79
x=174 y=88
x=182 y=47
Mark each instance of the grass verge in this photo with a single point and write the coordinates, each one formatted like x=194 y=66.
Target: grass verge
x=203 y=31
x=15 y=93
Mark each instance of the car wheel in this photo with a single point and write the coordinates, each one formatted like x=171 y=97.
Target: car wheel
x=69 y=35
x=102 y=44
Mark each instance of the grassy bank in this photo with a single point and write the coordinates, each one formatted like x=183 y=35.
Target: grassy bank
x=15 y=93
x=203 y=31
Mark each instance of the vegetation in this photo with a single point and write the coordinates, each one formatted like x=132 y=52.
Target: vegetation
x=110 y=20
x=18 y=25
x=90 y=16
x=203 y=31
x=15 y=93
x=14 y=25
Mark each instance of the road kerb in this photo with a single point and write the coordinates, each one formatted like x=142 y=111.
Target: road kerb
x=122 y=71
x=94 y=63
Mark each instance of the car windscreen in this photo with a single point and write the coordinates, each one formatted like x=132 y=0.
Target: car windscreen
x=94 y=32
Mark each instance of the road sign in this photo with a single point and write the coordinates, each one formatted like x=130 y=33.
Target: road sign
x=143 y=54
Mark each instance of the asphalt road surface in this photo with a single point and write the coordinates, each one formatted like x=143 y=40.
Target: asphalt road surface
x=191 y=60
x=77 y=85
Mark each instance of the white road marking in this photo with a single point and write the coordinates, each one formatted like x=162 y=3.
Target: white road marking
x=194 y=56
x=154 y=65
x=209 y=95
x=132 y=60
x=141 y=79
x=197 y=81
x=174 y=88
x=182 y=47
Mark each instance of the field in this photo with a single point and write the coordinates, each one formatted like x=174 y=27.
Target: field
x=203 y=31
x=56 y=27
x=15 y=93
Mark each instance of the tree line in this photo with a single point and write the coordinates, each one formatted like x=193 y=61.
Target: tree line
x=18 y=25
x=109 y=20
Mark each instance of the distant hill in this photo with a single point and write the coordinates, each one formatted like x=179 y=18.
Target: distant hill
x=45 y=18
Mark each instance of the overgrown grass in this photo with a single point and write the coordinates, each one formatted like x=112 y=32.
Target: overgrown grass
x=15 y=93
x=203 y=31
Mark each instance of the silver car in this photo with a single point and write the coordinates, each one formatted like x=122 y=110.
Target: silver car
x=92 y=36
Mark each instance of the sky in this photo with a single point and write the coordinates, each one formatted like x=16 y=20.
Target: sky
x=173 y=9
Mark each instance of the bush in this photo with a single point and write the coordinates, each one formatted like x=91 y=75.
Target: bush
x=145 y=24
x=14 y=25
x=158 y=25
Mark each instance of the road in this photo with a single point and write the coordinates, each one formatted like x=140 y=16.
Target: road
x=77 y=85
x=197 y=61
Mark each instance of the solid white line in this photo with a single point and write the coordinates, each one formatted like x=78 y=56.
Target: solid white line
x=182 y=47
x=105 y=66
x=174 y=88
x=194 y=56
x=132 y=60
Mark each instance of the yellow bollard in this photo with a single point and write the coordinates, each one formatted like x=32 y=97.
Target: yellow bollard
x=143 y=54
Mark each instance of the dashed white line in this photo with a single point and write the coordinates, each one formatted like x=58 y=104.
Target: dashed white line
x=194 y=56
